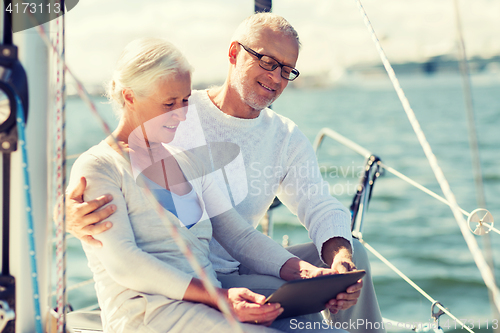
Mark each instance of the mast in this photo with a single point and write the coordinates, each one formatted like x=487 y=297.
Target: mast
x=263 y=6
x=33 y=55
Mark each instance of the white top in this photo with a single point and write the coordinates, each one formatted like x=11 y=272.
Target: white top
x=139 y=255
x=255 y=160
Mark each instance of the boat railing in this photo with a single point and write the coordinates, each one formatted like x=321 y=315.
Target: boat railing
x=480 y=219
x=327 y=132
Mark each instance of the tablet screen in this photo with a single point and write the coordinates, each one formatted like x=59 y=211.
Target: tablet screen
x=300 y=297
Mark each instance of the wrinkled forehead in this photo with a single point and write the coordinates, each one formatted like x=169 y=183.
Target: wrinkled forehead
x=276 y=44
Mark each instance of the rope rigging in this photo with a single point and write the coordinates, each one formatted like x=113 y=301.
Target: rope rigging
x=60 y=164
x=480 y=216
x=474 y=147
x=479 y=259
x=326 y=132
x=413 y=284
x=32 y=250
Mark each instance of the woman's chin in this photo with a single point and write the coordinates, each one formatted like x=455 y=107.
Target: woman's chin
x=167 y=140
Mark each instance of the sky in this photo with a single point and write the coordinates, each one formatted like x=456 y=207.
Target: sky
x=332 y=32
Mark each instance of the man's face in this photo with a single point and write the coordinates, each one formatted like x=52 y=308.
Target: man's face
x=257 y=87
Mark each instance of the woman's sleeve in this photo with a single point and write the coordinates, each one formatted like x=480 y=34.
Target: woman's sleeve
x=125 y=262
x=239 y=238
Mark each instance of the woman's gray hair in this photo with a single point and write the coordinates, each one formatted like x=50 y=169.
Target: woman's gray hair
x=142 y=63
x=247 y=31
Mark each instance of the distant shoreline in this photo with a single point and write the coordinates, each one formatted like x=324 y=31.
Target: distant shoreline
x=438 y=65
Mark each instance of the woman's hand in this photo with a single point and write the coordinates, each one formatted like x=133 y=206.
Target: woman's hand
x=249 y=307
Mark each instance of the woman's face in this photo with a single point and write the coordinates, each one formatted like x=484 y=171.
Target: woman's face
x=163 y=110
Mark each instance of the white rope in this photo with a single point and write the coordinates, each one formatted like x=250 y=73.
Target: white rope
x=469 y=107
x=419 y=186
x=429 y=192
x=365 y=153
x=60 y=178
x=492 y=228
x=76 y=286
x=473 y=138
x=479 y=259
x=72 y=157
x=411 y=283
x=79 y=285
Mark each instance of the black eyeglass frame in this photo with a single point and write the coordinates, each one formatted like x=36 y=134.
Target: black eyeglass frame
x=260 y=56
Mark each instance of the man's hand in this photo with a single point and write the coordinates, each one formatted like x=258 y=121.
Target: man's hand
x=338 y=254
x=343 y=301
x=82 y=219
x=342 y=261
x=338 y=250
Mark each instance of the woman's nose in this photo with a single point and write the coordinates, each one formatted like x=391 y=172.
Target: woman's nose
x=180 y=113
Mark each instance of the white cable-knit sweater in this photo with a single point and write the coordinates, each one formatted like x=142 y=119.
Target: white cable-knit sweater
x=254 y=161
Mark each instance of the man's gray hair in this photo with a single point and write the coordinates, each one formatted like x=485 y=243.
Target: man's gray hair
x=247 y=31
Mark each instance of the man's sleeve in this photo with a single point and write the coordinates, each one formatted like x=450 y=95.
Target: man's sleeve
x=240 y=239
x=307 y=195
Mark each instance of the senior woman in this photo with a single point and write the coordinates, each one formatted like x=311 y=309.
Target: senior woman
x=142 y=280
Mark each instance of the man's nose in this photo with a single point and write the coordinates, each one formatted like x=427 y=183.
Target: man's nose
x=276 y=75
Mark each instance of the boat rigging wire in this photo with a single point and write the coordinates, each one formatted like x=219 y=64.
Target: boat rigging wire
x=432 y=194
x=469 y=107
x=76 y=286
x=200 y=272
x=413 y=284
x=473 y=137
x=29 y=216
x=61 y=296
x=327 y=132
x=479 y=259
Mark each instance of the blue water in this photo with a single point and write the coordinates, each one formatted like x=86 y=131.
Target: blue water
x=417 y=233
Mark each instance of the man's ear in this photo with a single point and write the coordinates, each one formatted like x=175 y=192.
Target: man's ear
x=233 y=52
x=128 y=97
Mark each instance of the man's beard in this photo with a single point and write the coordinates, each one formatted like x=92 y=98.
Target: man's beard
x=249 y=96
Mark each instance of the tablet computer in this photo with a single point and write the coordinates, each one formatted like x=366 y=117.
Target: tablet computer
x=300 y=297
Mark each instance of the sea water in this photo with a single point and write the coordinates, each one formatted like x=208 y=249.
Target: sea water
x=418 y=234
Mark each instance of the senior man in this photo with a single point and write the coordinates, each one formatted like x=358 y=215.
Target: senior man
x=273 y=158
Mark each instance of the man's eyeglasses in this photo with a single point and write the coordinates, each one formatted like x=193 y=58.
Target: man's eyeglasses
x=270 y=64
